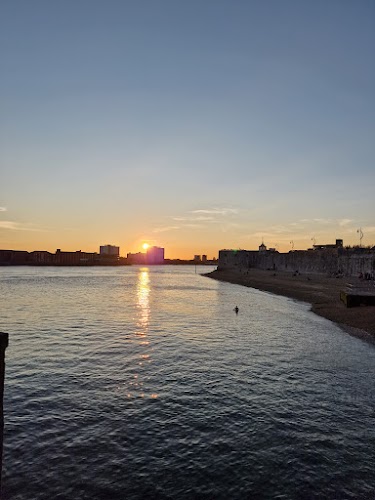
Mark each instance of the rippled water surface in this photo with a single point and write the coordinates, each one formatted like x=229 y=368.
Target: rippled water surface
x=142 y=383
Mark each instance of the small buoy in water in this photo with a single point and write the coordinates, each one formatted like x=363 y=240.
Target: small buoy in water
x=236 y=310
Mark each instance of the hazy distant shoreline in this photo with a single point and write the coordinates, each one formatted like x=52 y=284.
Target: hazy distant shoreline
x=323 y=293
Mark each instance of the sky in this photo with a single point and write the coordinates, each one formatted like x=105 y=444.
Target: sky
x=192 y=125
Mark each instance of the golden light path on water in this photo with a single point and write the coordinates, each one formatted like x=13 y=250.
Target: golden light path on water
x=143 y=318
x=143 y=303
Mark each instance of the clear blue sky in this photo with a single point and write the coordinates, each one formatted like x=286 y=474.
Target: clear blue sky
x=194 y=125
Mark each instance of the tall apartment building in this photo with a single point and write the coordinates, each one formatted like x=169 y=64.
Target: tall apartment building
x=155 y=255
x=110 y=250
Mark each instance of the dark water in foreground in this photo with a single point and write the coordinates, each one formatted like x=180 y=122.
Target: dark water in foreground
x=136 y=383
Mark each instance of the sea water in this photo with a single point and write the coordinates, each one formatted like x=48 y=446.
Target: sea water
x=143 y=383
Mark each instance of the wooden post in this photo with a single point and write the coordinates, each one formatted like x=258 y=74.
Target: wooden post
x=3 y=346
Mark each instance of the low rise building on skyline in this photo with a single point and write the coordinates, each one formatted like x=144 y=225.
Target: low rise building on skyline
x=138 y=258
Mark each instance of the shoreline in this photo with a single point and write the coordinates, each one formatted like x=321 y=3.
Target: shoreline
x=321 y=292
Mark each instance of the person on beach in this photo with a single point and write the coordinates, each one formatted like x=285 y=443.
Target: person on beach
x=236 y=310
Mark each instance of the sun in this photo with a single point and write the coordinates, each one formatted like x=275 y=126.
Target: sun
x=145 y=246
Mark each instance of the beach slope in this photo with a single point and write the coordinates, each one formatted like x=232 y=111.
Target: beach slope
x=322 y=292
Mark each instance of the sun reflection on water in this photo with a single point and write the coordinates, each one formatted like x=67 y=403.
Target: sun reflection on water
x=143 y=292
x=138 y=387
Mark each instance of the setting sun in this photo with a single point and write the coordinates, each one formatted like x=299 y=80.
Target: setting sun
x=145 y=246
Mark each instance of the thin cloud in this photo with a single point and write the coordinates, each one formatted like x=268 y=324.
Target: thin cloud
x=226 y=227
x=297 y=225
x=344 y=222
x=199 y=219
x=3 y=209
x=216 y=211
x=262 y=235
x=323 y=221
x=17 y=226
x=340 y=222
x=165 y=229
x=7 y=224
x=279 y=229
x=317 y=221
x=193 y=219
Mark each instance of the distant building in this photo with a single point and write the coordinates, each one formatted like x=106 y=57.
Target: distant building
x=155 y=255
x=338 y=244
x=262 y=247
x=110 y=250
x=14 y=257
x=76 y=258
x=204 y=259
x=42 y=257
x=136 y=258
x=59 y=258
x=197 y=258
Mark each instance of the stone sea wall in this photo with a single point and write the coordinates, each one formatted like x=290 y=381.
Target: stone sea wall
x=325 y=261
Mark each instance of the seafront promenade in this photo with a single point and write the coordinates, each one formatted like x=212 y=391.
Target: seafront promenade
x=322 y=292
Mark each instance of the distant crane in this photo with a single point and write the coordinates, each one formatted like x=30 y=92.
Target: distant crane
x=313 y=240
x=360 y=232
x=292 y=243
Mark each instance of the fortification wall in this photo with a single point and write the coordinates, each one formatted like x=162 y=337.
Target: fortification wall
x=325 y=261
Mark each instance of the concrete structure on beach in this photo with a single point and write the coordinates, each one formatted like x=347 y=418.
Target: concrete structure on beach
x=321 y=259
